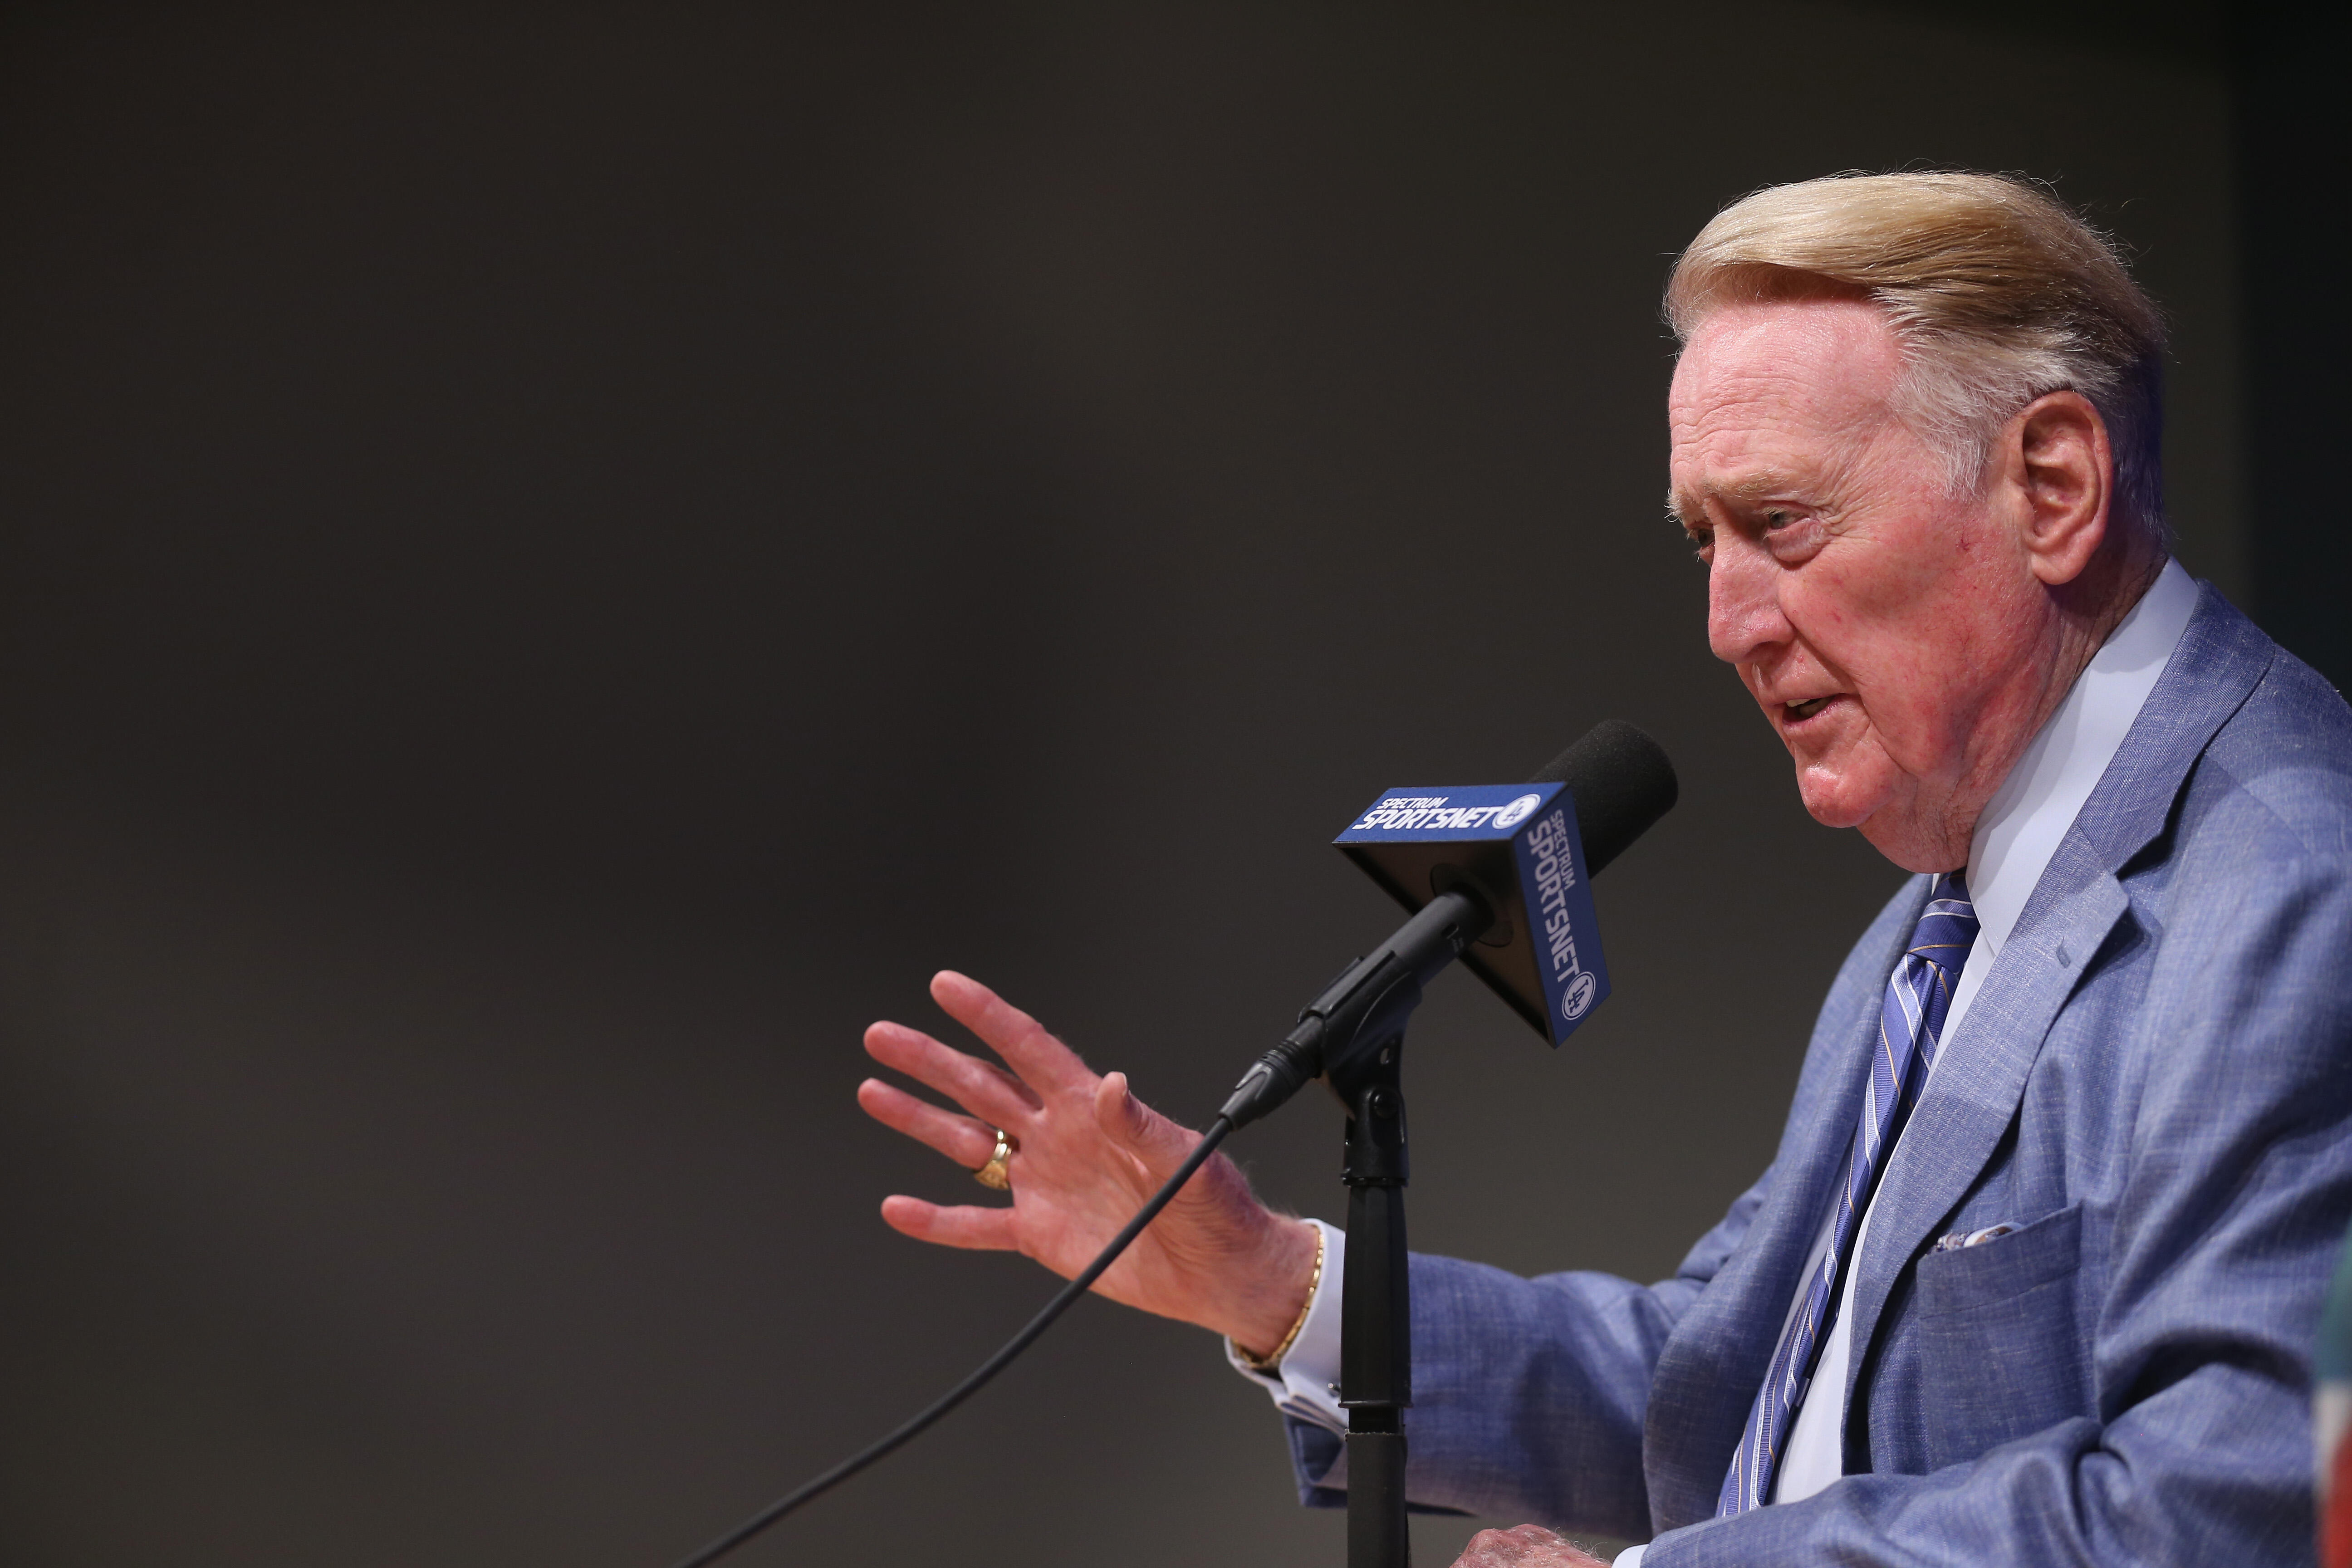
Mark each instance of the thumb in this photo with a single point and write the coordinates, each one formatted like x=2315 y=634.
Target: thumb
x=1151 y=1138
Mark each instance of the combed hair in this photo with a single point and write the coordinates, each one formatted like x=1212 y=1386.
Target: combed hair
x=1998 y=293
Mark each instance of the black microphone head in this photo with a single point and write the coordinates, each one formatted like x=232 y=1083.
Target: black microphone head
x=1622 y=783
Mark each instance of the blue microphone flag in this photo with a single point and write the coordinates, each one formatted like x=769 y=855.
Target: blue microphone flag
x=1517 y=846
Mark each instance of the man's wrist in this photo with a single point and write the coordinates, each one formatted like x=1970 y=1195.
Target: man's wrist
x=1305 y=1384
x=1278 y=1291
x=1271 y=1359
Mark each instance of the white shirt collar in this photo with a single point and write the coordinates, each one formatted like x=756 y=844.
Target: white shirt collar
x=2028 y=815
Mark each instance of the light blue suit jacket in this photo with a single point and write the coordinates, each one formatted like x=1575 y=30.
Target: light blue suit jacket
x=2154 y=1085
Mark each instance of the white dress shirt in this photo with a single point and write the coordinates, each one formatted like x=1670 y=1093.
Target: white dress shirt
x=2013 y=843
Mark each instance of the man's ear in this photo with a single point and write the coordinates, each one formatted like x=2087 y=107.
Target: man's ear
x=2064 y=473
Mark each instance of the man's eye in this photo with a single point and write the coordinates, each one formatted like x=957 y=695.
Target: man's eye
x=1773 y=519
x=1702 y=542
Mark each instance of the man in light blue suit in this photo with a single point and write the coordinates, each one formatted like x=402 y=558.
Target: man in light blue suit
x=2034 y=1274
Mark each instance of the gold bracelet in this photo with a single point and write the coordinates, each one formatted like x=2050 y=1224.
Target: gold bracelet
x=1273 y=1358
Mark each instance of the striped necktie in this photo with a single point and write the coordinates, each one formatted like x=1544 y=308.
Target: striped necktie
x=1910 y=1026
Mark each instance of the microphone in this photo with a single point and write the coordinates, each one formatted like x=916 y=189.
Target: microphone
x=1621 y=783
x=1496 y=875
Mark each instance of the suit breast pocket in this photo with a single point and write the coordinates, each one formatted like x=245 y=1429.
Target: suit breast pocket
x=2000 y=1350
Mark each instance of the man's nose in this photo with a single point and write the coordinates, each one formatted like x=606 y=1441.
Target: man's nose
x=1743 y=602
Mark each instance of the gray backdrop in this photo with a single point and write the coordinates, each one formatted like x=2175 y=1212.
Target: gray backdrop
x=559 y=562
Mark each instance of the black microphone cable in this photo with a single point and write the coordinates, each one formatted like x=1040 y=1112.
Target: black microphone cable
x=980 y=1376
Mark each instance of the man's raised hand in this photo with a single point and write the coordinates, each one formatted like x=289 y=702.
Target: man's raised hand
x=1089 y=1155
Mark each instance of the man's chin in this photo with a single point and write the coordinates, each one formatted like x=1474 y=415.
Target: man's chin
x=1835 y=798
x=1891 y=820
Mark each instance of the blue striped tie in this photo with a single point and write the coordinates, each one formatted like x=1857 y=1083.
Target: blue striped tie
x=1910 y=1024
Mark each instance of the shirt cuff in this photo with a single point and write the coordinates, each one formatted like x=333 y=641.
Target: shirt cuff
x=1629 y=1558
x=1305 y=1384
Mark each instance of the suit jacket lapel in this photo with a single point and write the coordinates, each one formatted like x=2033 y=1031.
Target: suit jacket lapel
x=1708 y=1372
x=1975 y=1093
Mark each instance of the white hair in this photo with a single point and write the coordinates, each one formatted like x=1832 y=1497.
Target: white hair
x=1998 y=293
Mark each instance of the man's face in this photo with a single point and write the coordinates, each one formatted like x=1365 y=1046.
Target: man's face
x=1893 y=635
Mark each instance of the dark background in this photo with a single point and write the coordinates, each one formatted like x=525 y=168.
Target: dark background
x=558 y=560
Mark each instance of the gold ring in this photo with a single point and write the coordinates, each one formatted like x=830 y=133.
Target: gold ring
x=993 y=1174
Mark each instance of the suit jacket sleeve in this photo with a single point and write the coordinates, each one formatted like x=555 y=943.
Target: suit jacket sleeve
x=2218 y=1237
x=1529 y=1394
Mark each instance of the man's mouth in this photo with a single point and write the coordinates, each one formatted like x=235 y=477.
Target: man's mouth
x=1798 y=712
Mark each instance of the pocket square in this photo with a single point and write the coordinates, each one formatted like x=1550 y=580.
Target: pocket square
x=1959 y=1239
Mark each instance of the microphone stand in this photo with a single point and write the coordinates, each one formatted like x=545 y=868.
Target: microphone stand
x=1375 y=1307
x=1352 y=1035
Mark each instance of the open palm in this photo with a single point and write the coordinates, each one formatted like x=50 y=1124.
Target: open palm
x=1089 y=1155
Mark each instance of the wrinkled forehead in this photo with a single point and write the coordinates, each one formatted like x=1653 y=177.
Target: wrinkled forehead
x=1769 y=393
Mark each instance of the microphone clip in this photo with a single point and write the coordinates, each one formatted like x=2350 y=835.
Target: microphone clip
x=1342 y=1033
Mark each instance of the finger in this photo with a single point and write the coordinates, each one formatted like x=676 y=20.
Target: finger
x=1161 y=1145
x=968 y=1143
x=1537 y=1544
x=1027 y=1046
x=978 y=1229
x=1524 y=1546
x=1502 y=1549
x=988 y=1091
x=1482 y=1550
x=1495 y=1548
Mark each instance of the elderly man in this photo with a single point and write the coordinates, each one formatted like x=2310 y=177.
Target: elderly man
x=2034 y=1274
